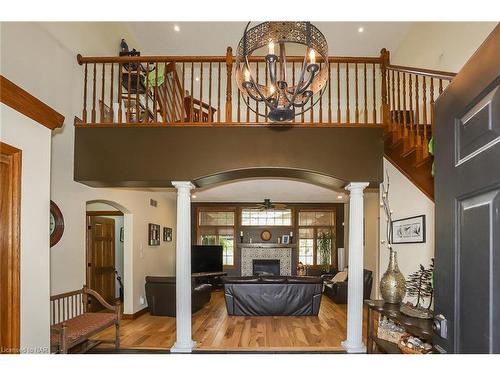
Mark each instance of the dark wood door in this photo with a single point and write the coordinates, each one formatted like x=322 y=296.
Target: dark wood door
x=101 y=259
x=467 y=184
x=10 y=207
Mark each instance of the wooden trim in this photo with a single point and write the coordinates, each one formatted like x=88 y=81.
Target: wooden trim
x=11 y=338
x=136 y=314
x=423 y=72
x=214 y=59
x=104 y=213
x=317 y=125
x=25 y=103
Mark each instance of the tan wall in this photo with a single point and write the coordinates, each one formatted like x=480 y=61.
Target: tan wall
x=33 y=140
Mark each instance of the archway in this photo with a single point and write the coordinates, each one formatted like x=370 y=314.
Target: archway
x=353 y=343
x=127 y=237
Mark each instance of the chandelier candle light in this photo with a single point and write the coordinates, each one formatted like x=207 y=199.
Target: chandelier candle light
x=282 y=96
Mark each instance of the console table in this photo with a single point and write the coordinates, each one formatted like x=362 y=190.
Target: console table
x=421 y=328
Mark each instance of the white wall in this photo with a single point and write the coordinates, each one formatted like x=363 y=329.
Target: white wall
x=441 y=45
x=34 y=141
x=41 y=58
x=406 y=200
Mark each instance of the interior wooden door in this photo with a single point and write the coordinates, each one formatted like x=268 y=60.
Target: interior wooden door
x=467 y=185
x=10 y=206
x=101 y=259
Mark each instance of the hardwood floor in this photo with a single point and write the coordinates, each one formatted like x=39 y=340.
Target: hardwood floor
x=213 y=329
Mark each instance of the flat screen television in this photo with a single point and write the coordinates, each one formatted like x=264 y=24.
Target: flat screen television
x=206 y=258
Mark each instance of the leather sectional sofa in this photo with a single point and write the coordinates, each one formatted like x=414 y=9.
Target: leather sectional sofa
x=160 y=294
x=338 y=291
x=273 y=295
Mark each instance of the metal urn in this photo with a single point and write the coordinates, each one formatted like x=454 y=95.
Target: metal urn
x=393 y=283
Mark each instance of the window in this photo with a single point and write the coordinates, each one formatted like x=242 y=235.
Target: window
x=217 y=228
x=256 y=217
x=316 y=237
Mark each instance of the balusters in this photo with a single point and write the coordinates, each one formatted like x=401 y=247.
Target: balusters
x=210 y=94
x=191 y=104
x=155 y=95
x=147 y=93
x=329 y=94
x=425 y=149
x=417 y=113
x=137 y=91
x=293 y=80
x=218 y=94
x=338 y=93
x=375 y=94
x=120 y=78
x=356 y=111
x=129 y=87
x=393 y=103
x=111 y=105
x=412 y=125
x=399 y=107
x=200 y=107
x=93 y=94
x=365 y=95
x=84 y=114
x=265 y=106
x=405 y=130
x=101 y=107
x=432 y=103
x=321 y=103
x=229 y=91
x=347 y=113
x=183 y=94
x=257 y=82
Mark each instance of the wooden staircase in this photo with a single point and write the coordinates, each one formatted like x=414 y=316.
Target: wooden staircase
x=408 y=96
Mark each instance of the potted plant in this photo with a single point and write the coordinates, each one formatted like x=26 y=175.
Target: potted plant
x=325 y=241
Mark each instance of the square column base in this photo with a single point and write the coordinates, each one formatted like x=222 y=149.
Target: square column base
x=356 y=348
x=183 y=348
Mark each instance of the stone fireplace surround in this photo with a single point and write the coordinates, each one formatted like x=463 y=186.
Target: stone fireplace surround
x=283 y=254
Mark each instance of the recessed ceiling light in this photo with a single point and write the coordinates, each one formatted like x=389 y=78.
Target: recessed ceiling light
x=197 y=79
x=193 y=196
x=360 y=29
x=177 y=28
x=339 y=196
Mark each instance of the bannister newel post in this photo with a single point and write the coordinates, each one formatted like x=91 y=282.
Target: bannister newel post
x=384 y=63
x=229 y=88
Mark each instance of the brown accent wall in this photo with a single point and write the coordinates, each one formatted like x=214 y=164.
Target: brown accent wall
x=153 y=157
x=276 y=231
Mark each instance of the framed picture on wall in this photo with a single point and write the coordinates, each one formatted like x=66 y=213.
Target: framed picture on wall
x=154 y=235
x=167 y=234
x=408 y=230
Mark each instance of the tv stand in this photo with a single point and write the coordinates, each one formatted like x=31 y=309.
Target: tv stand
x=212 y=278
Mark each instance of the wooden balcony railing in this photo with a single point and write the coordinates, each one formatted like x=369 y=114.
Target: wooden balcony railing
x=200 y=91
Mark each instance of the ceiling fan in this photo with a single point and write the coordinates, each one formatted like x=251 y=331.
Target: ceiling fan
x=267 y=205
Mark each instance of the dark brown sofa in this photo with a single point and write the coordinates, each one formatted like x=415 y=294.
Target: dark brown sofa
x=338 y=291
x=272 y=295
x=161 y=295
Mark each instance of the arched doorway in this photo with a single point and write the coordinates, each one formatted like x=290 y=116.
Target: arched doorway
x=109 y=251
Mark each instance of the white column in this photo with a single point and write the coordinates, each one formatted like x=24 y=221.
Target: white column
x=354 y=342
x=184 y=342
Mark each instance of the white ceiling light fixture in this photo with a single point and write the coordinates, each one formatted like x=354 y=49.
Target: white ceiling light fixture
x=177 y=28
x=193 y=196
x=361 y=29
x=339 y=196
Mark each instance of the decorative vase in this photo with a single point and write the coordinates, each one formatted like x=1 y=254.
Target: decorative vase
x=393 y=284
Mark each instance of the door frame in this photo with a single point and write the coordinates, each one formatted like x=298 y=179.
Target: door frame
x=14 y=250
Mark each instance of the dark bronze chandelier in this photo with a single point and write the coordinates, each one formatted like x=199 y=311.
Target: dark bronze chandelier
x=281 y=96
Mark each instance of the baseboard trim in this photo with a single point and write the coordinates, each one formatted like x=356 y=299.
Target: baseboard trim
x=135 y=315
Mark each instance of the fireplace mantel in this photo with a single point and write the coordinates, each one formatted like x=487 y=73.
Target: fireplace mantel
x=267 y=245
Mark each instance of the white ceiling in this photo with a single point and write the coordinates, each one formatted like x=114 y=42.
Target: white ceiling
x=278 y=190
x=212 y=38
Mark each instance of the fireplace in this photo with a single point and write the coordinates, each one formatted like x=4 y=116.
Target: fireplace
x=266 y=267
